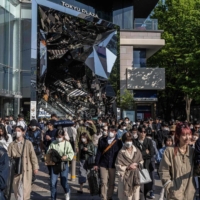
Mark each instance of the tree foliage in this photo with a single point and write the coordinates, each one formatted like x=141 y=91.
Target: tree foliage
x=181 y=55
x=127 y=100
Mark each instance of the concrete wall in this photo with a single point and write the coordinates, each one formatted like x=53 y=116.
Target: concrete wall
x=149 y=40
x=126 y=61
x=140 y=34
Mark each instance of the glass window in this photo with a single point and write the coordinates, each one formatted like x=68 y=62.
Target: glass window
x=139 y=58
x=124 y=17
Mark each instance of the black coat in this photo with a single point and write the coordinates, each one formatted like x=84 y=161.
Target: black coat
x=56 y=158
x=147 y=144
x=161 y=136
x=197 y=152
x=108 y=159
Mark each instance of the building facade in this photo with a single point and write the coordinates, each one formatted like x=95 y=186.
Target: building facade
x=139 y=39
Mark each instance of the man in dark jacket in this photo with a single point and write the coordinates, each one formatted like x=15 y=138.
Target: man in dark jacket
x=50 y=134
x=107 y=151
x=145 y=145
x=162 y=134
x=34 y=134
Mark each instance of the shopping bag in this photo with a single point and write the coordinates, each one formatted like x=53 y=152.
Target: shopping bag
x=144 y=176
x=93 y=181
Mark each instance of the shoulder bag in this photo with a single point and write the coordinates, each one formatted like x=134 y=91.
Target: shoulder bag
x=144 y=176
x=63 y=163
x=18 y=162
x=109 y=146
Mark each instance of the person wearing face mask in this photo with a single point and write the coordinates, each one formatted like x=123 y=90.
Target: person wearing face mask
x=134 y=133
x=121 y=130
x=5 y=138
x=145 y=145
x=66 y=153
x=195 y=137
x=107 y=151
x=22 y=182
x=34 y=134
x=86 y=126
x=128 y=125
x=128 y=160
x=86 y=150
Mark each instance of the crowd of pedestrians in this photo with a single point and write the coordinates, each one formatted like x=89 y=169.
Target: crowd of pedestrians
x=113 y=148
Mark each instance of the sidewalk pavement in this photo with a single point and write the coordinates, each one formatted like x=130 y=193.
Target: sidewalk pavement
x=41 y=188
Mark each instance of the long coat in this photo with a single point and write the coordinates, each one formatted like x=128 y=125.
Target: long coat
x=176 y=173
x=121 y=169
x=30 y=163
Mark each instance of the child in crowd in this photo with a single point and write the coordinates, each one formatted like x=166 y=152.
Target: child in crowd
x=168 y=141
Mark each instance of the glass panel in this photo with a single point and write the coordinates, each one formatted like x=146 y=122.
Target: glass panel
x=76 y=58
x=139 y=58
x=146 y=24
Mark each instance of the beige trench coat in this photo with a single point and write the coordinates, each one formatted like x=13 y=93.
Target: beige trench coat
x=120 y=171
x=30 y=163
x=179 y=170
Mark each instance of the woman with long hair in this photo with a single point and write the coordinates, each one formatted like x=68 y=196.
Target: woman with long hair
x=22 y=180
x=5 y=138
x=176 y=166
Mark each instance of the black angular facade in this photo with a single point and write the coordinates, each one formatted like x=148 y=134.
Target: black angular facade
x=75 y=58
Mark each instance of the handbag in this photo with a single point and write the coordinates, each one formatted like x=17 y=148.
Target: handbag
x=18 y=162
x=93 y=181
x=47 y=159
x=63 y=163
x=144 y=176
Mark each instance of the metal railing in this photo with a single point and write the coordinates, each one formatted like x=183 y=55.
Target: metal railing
x=146 y=24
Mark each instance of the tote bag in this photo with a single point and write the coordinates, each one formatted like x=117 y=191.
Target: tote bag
x=144 y=176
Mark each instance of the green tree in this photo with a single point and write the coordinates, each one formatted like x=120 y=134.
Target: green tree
x=181 y=55
x=127 y=100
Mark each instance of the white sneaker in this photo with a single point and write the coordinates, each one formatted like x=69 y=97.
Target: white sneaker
x=67 y=196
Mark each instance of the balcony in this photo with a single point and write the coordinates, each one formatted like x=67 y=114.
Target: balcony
x=145 y=78
x=145 y=24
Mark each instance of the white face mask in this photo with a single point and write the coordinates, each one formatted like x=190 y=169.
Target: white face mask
x=59 y=139
x=128 y=144
x=127 y=122
x=66 y=137
x=33 y=127
x=195 y=137
x=111 y=134
x=83 y=139
x=18 y=134
x=124 y=128
x=105 y=133
x=135 y=136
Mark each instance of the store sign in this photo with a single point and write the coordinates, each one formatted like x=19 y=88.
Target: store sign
x=79 y=9
x=145 y=99
x=33 y=110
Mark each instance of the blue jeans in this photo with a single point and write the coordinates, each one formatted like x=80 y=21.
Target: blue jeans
x=63 y=179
